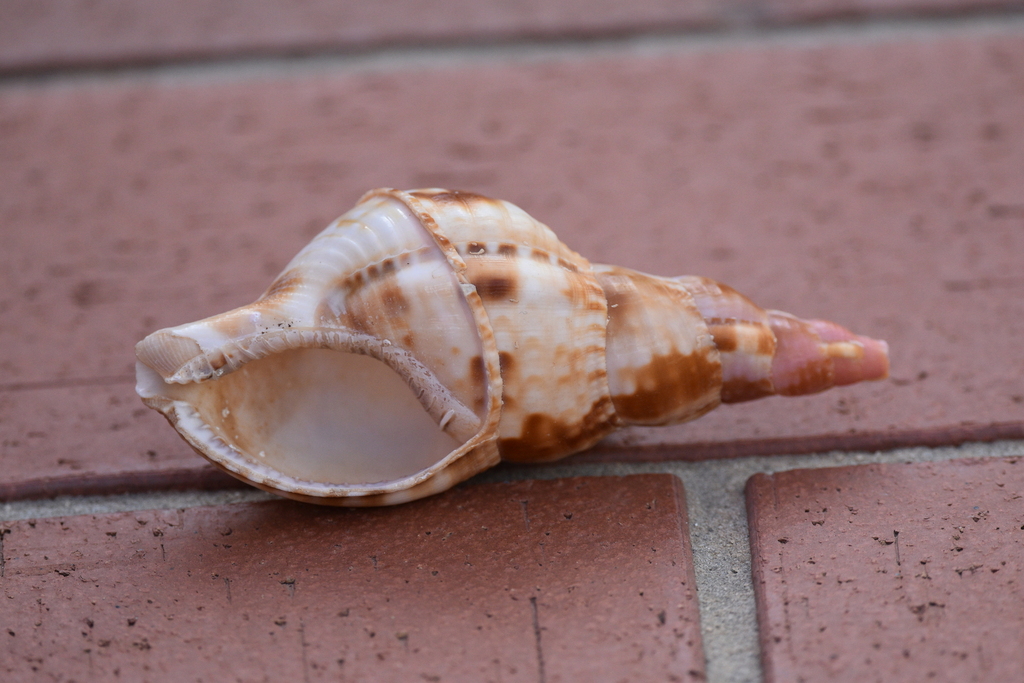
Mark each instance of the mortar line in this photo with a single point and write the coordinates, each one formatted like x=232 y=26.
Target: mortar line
x=60 y=506
x=68 y=383
x=456 y=53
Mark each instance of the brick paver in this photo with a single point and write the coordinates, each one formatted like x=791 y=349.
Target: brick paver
x=95 y=438
x=891 y=572
x=568 y=580
x=37 y=34
x=58 y=34
x=876 y=183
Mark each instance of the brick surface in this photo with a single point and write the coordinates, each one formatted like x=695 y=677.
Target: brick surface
x=875 y=183
x=891 y=572
x=93 y=438
x=54 y=34
x=58 y=33
x=568 y=580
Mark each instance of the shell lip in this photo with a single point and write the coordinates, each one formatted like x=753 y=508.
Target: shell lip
x=152 y=384
x=190 y=425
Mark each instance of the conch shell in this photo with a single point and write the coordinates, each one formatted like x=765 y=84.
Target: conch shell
x=426 y=335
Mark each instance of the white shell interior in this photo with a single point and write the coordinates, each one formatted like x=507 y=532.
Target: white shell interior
x=320 y=415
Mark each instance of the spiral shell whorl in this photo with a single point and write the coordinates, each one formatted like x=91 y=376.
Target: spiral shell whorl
x=548 y=314
x=663 y=364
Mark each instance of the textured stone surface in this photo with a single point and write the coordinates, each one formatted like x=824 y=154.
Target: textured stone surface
x=575 y=579
x=876 y=183
x=890 y=572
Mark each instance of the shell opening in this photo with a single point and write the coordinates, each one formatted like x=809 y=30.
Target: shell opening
x=319 y=415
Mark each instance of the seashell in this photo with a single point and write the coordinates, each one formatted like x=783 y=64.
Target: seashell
x=426 y=335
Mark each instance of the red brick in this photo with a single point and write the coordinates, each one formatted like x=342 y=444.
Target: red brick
x=56 y=33
x=47 y=34
x=890 y=572
x=91 y=439
x=575 y=579
x=875 y=183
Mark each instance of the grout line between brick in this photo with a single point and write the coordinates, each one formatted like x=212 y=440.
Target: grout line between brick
x=715 y=505
x=68 y=383
x=454 y=54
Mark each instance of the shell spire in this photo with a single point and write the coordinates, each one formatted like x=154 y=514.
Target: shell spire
x=773 y=352
x=425 y=335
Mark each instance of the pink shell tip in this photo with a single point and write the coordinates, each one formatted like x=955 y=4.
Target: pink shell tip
x=854 y=358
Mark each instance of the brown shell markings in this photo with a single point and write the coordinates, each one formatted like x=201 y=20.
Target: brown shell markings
x=425 y=335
